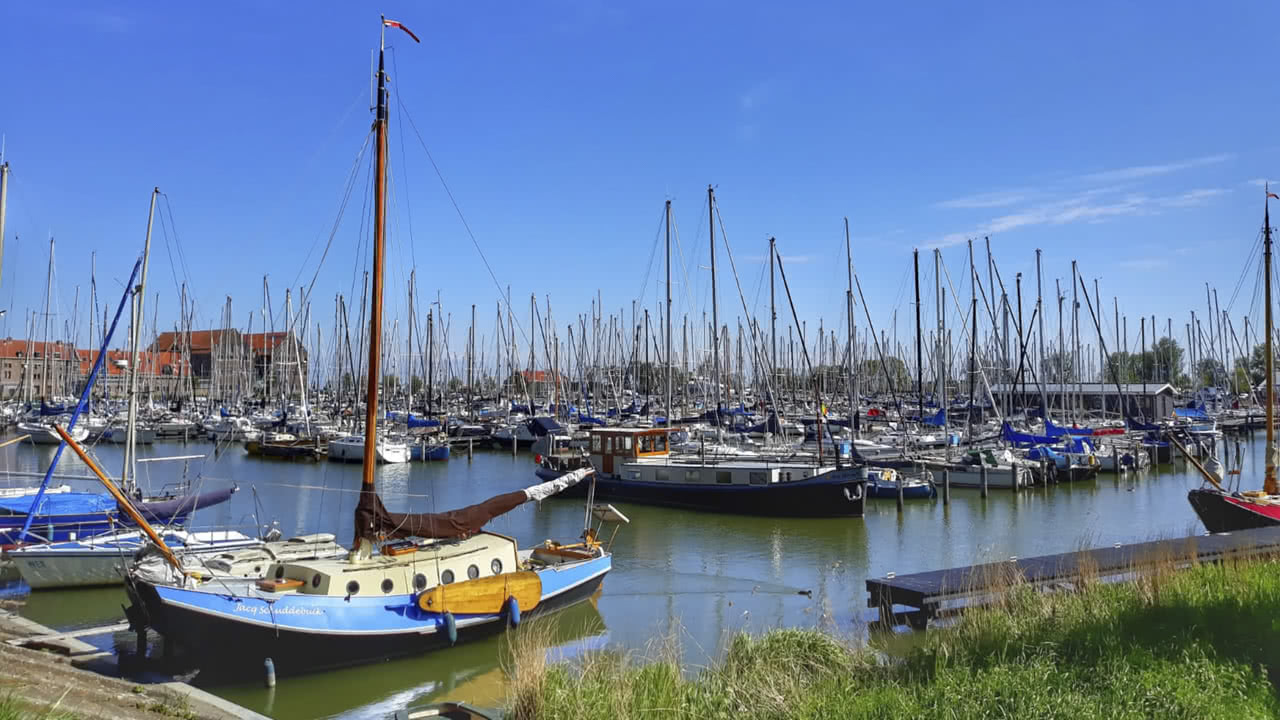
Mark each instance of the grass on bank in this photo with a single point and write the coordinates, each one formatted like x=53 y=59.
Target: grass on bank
x=1196 y=644
x=12 y=708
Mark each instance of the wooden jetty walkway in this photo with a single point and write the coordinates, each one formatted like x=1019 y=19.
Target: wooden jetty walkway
x=936 y=593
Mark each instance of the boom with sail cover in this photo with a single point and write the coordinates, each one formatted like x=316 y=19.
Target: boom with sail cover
x=374 y=521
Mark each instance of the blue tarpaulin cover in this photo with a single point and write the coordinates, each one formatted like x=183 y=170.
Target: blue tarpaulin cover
x=73 y=503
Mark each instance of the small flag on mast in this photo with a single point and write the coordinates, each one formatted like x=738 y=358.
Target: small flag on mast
x=395 y=24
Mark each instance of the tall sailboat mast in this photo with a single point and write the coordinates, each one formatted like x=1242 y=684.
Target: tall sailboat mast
x=848 y=297
x=666 y=353
x=127 y=480
x=715 y=314
x=369 y=507
x=379 y=248
x=1269 y=480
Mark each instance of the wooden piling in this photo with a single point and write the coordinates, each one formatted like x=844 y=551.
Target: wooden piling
x=513 y=445
x=1115 y=458
x=471 y=447
x=984 y=480
x=946 y=487
x=898 y=478
x=1013 y=477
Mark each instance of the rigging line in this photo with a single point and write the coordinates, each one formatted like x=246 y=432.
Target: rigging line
x=466 y=226
x=337 y=222
x=173 y=273
x=404 y=162
x=653 y=253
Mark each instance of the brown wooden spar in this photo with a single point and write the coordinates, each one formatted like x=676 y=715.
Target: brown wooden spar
x=121 y=500
x=368 y=495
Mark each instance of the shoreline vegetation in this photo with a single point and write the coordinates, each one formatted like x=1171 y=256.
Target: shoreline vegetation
x=1196 y=643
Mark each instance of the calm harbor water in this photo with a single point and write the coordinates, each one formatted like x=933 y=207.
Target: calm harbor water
x=700 y=576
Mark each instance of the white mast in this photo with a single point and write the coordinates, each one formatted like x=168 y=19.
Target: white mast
x=128 y=479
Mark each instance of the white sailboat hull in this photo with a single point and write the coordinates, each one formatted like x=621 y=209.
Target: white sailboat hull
x=99 y=560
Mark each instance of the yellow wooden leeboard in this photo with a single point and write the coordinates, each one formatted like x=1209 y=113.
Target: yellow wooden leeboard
x=484 y=595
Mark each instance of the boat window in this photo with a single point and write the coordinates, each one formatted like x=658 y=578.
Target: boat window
x=788 y=476
x=608 y=445
x=279 y=571
x=625 y=443
x=633 y=475
x=692 y=476
x=473 y=572
x=353 y=588
x=315 y=580
x=496 y=566
x=759 y=478
x=387 y=585
x=724 y=477
x=662 y=475
x=419 y=581
x=660 y=443
x=446 y=577
x=646 y=444
x=595 y=443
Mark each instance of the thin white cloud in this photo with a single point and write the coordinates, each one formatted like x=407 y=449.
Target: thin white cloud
x=1089 y=206
x=999 y=198
x=1192 y=198
x=1138 y=172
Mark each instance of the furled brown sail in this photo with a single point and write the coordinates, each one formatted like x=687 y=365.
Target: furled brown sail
x=375 y=523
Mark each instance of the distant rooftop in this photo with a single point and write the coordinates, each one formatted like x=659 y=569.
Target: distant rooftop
x=1089 y=388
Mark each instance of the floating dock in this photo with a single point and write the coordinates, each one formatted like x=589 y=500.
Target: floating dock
x=936 y=593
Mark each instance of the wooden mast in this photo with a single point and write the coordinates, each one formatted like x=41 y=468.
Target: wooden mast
x=1269 y=480
x=379 y=246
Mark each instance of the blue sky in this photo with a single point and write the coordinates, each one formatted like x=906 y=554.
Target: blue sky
x=1128 y=136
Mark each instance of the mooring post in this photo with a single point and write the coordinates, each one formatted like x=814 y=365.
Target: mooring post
x=984 y=480
x=1115 y=457
x=946 y=487
x=898 y=479
x=471 y=447
x=513 y=445
x=1013 y=477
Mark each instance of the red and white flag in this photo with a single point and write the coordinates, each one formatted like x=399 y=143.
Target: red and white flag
x=395 y=24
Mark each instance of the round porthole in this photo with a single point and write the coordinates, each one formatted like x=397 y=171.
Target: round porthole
x=279 y=571
x=473 y=572
x=387 y=585
x=315 y=580
x=257 y=569
x=419 y=581
x=353 y=587
x=496 y=566
x=446 y=577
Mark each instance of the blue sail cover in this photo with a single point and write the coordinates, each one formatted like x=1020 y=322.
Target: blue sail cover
x=1013 y=436
x=414 y=422
x=1191 y=413
x=588 y=420
x=72 y=503
x=938 y=420
x=1077 y=445
x=47 y=410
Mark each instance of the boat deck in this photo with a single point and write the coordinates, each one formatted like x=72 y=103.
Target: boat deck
x=932 y=594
